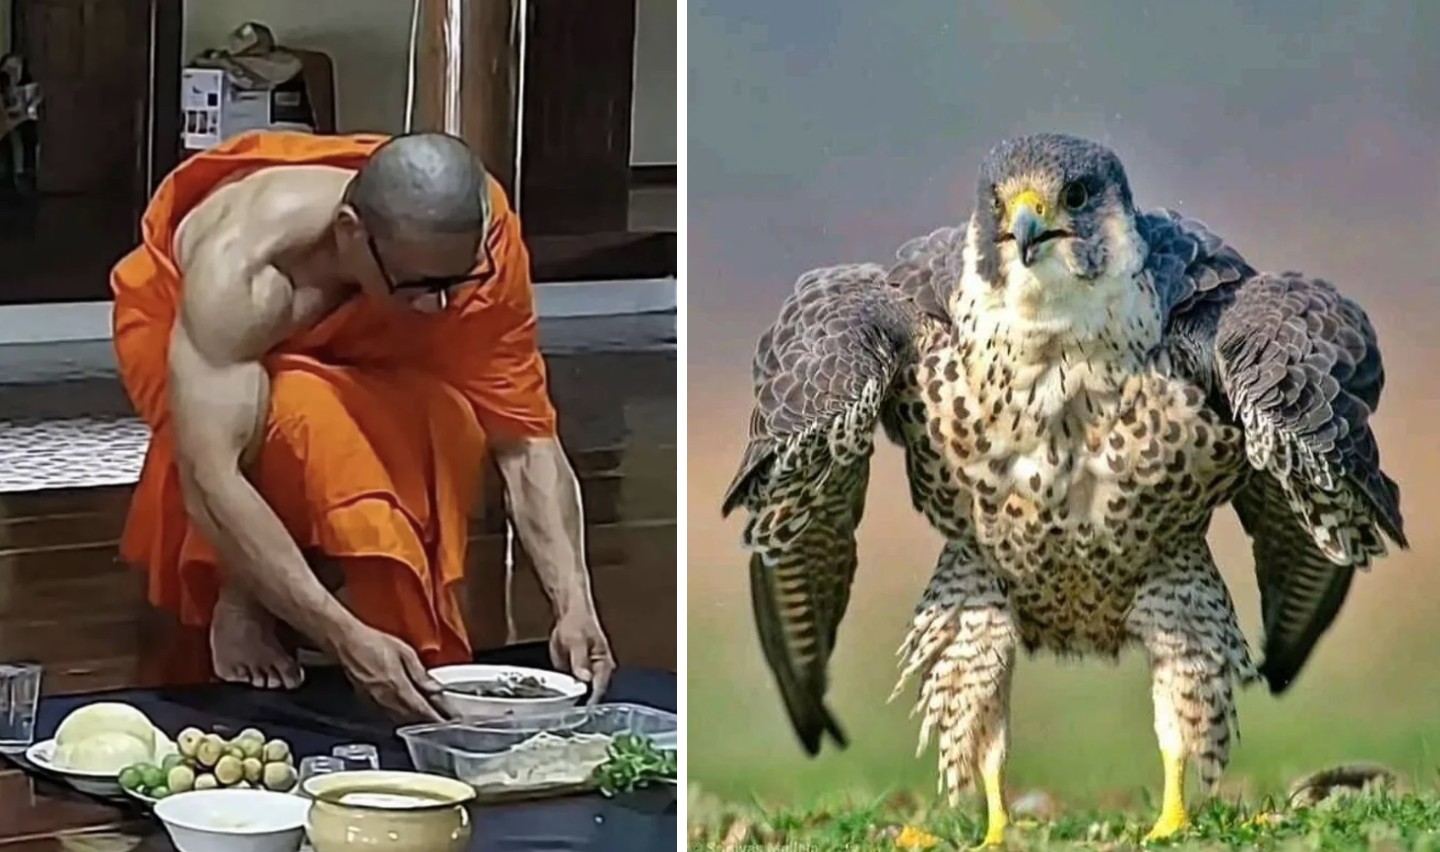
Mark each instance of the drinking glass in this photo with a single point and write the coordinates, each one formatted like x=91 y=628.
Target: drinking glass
x=315 y=765
x=357 y=756
x=19 y=698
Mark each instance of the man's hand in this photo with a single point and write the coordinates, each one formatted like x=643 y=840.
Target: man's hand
x=578 y=645
x=390 y=672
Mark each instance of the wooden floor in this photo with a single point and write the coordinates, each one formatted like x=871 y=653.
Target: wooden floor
x=67 y=601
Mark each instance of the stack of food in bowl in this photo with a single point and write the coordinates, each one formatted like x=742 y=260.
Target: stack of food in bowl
x=480 y=692
x=208 y=762
x=112 y=749
x=519 y=735
x=96 y=742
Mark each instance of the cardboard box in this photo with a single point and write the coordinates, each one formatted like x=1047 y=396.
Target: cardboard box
x=214 y=108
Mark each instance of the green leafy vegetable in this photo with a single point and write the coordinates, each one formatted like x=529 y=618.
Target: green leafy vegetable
x=634 y=762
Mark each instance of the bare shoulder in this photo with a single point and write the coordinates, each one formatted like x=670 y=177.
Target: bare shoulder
x=257 y=216
x=236 y=301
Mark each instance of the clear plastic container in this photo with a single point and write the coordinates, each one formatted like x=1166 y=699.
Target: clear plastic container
x=528 y=756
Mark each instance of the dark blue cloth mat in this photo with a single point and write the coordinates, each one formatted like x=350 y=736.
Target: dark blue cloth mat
x=327 y=712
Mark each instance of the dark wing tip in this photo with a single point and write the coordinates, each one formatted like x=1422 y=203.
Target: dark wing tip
x=809 y=717
x=1279 y=676
x=812 y=728
x=1287 y=651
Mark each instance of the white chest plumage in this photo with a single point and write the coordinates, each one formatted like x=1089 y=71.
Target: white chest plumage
x=1050 y=434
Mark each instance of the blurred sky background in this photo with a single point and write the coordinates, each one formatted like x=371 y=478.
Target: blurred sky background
x=829 y=132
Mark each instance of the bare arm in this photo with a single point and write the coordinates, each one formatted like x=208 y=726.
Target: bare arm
x=220 y=399
x=544 y=498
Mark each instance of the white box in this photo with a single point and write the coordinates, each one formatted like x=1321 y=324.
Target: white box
x=213 y=108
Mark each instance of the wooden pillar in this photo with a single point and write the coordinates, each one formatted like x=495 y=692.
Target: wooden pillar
x=162 y=149
x=468 y=77
x=565 y=68
x=575 y=142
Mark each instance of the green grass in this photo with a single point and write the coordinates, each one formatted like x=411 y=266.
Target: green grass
x=1384 y=820
x=1081 y=732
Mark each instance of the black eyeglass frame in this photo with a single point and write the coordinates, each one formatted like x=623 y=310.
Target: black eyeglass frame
x=433 y=283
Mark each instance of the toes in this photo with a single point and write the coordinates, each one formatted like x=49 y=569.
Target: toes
x=233 y=673
x=292 y=675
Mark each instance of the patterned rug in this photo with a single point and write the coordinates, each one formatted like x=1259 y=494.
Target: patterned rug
x=79 y=452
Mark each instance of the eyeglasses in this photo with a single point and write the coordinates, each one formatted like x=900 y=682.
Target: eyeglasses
x=439 y=285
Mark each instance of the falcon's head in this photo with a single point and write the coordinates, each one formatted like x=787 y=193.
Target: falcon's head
x=1052 y=213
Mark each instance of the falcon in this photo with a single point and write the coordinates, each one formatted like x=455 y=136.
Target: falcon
x=1076 y=385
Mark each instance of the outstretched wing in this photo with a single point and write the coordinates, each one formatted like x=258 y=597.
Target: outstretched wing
x=1297 y=366
x=821 y=373
x=1301 y=366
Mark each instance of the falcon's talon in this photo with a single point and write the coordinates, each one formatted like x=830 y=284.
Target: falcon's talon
x=1077 y=385
x=998 y=817
x=1173 y=817
x=1168 y=826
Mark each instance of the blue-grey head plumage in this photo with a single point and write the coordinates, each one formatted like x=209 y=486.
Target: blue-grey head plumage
x=1045 y=190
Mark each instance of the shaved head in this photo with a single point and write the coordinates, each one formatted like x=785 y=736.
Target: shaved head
x=422 y=182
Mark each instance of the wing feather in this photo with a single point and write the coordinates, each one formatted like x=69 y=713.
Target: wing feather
x=821 y=374
x=928 y=269
x=1297 y=365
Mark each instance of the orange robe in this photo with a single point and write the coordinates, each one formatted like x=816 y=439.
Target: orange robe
x=373 y=447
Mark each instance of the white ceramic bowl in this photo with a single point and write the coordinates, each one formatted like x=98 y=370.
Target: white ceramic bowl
x=234 y=820
x=42 y=756
x=475 y=707
x=105 y=784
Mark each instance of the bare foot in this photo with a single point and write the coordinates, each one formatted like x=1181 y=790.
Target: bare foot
x=245 y=647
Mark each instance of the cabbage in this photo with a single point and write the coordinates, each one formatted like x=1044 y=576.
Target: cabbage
x=103 y=752
x=107 y=717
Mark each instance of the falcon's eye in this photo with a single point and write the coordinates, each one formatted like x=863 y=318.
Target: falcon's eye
x=1075 y=195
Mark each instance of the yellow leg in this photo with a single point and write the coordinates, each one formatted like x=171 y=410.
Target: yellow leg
x=998 y=819
x=1173 y=818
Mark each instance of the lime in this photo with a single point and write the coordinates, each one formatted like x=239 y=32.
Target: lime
x=132 y=778
x=153 y=776
x=160 y=792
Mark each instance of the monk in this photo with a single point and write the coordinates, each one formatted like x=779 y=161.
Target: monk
x=327 y=335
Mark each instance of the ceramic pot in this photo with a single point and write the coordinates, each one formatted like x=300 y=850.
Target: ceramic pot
x=379 y=811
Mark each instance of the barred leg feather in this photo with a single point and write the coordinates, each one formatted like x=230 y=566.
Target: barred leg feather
x=962 y=644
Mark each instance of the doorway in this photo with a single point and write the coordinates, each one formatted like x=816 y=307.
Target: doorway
x=104 y=133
